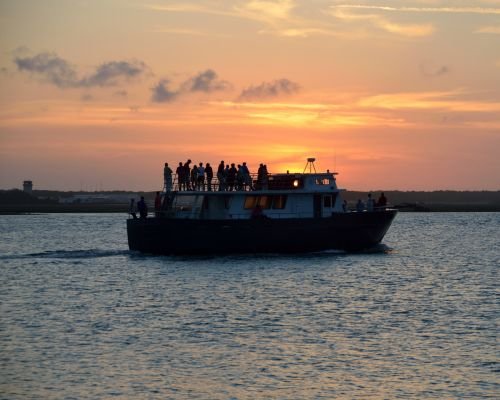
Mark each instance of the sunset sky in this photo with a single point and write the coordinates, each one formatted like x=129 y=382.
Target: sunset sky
x=393 y=94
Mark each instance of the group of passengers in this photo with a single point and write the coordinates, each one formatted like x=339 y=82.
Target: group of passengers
x=371 y=204
x=229 y=177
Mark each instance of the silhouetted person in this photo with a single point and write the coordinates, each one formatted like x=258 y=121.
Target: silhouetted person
x=200 y=179
x=181 y=180
x=247 y=179
x=194 y=177
x=187 y=170
x=220 y=176
x=360 y=206
x=382 y=201
x=167 y=177
x=210 y=174
x=370 y=203
x=142 y=208
x=231 y=177
x=132 y=210
x=157 y=204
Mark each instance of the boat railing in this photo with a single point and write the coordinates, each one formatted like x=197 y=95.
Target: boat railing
x=252 y=182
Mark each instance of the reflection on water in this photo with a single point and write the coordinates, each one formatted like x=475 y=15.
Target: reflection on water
x=81 y=317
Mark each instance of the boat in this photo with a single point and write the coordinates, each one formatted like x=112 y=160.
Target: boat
x=277 y=213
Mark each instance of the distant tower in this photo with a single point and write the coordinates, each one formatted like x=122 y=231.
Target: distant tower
x=28 y=187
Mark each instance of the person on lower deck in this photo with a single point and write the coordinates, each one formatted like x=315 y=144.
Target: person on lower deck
x=382 y=201
x=132 y=211
x=157 y=204
x=142 y=208
x=360 y=206
x=370 y=203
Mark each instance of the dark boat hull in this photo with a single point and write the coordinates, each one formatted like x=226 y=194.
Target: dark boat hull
x=343 y=231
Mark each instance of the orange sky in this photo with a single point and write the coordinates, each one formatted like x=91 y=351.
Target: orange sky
x=392 y=94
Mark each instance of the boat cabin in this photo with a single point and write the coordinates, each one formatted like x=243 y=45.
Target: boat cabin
x=306 y=195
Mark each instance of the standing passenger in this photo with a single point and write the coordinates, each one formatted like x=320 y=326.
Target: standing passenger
x=142 y=208
x=201 y=177
x=157 y=204
x=247 y=178
x=210 y=174
x=180 y=176
x=194 y=177
x=187 y=170
x=231 y=177
x=131 y=209
x=360 y=206
x=220 y=176
x=167 y=177
x=382 y=201
x=370 y=203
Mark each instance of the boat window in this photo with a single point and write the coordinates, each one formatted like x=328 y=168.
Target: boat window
x=279 y=202
x=250 y=202
x=327 y=201
x=322 y=181
x=265 y=201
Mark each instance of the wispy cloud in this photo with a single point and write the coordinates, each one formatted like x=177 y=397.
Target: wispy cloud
x=59 y=72
x=453 y=10
x=451 y=101
x=489 y=29
x=377 y=20
x=277 y=17
x=267 y=90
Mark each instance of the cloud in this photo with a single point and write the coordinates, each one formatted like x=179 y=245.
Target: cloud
x=452 y=10
x=410 y=30
x=51 y=67
x=162 y=94
x=205 y=81
x=266 y=90
x=87 y=97
x=120 y=93
x=434 y=71
x=108 y=74
x=57 y=71
x=489 y=29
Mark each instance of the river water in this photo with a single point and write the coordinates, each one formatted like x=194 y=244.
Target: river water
x=82 y=317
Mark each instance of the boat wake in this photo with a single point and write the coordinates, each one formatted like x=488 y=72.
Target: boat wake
x=68 y=254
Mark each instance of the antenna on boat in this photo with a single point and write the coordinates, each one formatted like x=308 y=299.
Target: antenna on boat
x=310 y=164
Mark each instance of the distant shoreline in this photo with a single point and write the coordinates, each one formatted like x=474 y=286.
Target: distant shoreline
x=40 y=201
x=18 y=209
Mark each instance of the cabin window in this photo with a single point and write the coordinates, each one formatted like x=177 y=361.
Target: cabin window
x=250 y=202
x=263 y=201
x=279 y=202
x=322 y=181
x=327 y=201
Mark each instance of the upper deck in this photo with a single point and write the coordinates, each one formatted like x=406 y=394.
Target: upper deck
x=285 y=182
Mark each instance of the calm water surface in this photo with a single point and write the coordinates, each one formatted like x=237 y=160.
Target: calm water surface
x=82 y=317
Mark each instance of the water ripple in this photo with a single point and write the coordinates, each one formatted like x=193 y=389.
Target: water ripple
x=82 y=317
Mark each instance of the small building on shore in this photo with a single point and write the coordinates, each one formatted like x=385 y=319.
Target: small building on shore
x=28 y=187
